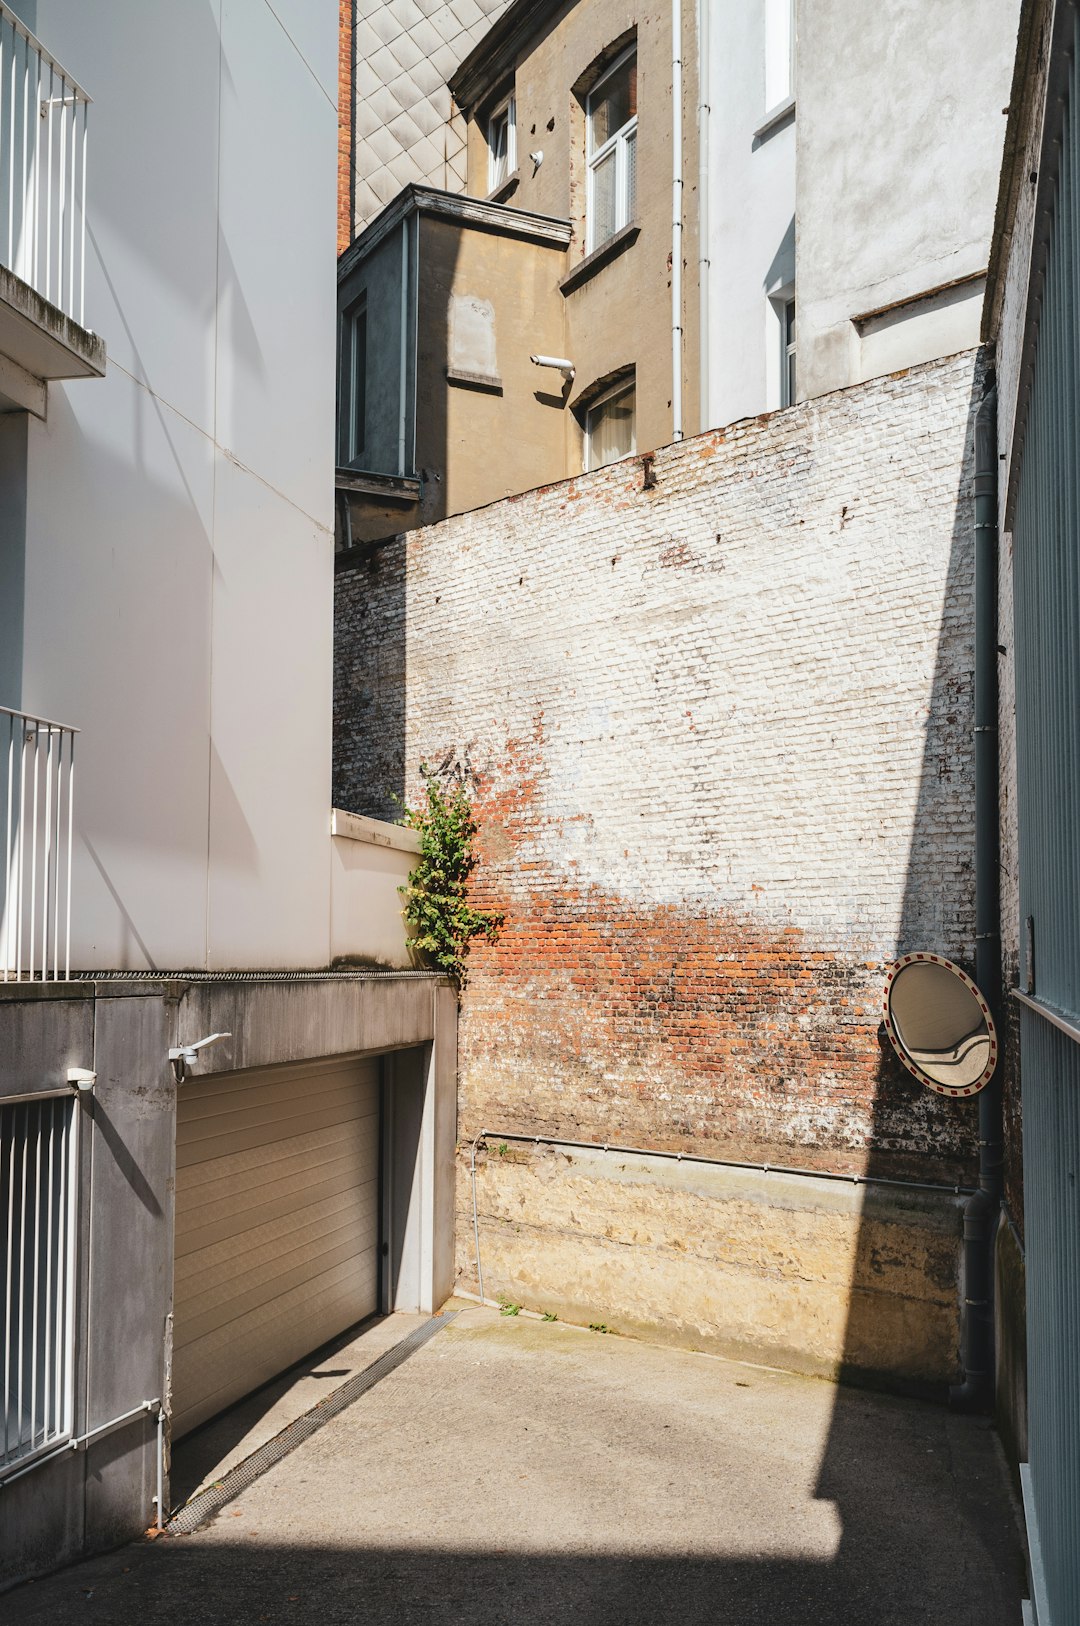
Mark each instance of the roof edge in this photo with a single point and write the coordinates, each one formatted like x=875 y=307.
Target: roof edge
x=494 y=55
x=461 y=209
x=1035 y=15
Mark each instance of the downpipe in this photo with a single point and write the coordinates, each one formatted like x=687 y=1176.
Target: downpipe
x=982 y=1210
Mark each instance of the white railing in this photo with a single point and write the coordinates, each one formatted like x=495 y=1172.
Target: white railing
x=38 y=1177
x=35 y=890
x=43 y=127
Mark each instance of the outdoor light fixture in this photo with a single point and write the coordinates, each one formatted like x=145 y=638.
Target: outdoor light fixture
x=81 y=1078
x=185 y=1056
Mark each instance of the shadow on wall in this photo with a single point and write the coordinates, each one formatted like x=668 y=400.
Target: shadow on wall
x=371 y=692
x=936 y=918
x=898 y=1294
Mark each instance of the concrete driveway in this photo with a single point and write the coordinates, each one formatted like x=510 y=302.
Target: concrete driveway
x=513 y=1470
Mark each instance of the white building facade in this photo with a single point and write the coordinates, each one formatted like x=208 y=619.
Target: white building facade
x=172 y=868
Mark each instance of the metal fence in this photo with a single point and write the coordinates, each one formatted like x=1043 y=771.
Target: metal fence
x=44 y=117
x=38 y=815
x=38 y=1180
x=1046 y=555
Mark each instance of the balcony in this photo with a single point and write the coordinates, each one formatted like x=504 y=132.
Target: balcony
x=36 y=826
x=44 y=115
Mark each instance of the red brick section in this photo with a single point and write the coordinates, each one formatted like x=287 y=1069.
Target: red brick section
x=346 y=95
x=672 y=1029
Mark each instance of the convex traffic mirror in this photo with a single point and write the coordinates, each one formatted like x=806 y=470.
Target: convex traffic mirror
x=940 y=1025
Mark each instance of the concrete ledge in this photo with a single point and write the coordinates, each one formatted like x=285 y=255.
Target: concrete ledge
x=357 y=827
x=39 y=338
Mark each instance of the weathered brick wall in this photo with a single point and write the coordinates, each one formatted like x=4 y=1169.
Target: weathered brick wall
x=719 y=737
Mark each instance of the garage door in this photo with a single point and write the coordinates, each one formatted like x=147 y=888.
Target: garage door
x=277 y=1224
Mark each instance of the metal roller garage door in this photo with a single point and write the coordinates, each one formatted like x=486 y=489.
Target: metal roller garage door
x=277 y=1224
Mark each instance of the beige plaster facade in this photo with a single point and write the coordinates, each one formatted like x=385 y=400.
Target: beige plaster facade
x=511 y=277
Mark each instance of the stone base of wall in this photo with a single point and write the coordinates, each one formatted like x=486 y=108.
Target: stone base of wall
x=829 y=1277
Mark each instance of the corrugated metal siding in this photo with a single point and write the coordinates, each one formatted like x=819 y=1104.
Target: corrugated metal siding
x=1046 y=533
x=1052 y=1205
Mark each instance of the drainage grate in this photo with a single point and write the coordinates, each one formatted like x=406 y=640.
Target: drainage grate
x=208 y=1502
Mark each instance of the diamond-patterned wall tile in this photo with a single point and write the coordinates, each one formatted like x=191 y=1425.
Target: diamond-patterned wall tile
x=405 y=127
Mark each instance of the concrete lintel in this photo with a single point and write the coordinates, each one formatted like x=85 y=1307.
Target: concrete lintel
x=275 y=1022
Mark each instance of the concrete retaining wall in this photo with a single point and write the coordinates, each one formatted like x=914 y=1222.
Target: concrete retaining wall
x=815 y=1275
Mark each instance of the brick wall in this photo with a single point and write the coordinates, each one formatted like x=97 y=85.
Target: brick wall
x=719 y=739
x=346 y=79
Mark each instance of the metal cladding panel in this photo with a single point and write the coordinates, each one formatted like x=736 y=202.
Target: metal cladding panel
x=1052 y=1233
x=1046 y=565
x=277 y=1224
x=1047 y=605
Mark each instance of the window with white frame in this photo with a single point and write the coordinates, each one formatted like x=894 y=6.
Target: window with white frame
x=611 y=150
x=502 y=144
x=787 y=380
x=38 y=1177
x=610 y=431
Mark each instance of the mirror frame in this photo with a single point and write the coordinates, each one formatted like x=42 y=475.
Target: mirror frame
x=898 y=1045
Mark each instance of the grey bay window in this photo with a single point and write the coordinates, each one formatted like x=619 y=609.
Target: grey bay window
x=611 y=150
x=354 y=379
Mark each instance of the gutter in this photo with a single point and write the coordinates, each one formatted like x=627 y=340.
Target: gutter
x=704 y=260
x=676 y=221
x=982 y=1211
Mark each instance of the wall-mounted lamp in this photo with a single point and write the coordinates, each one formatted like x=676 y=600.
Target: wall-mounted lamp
x=537 y=159
x=81 y=1078
x=560 y=364
x=185 y=1056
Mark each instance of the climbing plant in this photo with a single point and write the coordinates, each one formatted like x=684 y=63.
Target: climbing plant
x=444 y=922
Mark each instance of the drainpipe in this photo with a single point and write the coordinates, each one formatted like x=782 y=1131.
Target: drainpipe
x=676 y=222
x=403 y=347
x=704 y=246
x=983 y=1208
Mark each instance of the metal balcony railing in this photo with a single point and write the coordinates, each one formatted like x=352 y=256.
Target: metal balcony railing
x=43 y=130
x=38 y=814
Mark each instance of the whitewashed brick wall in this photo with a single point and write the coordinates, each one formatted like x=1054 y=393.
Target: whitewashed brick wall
x=719 y=736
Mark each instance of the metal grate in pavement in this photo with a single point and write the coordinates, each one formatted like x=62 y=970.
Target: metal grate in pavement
x=208 y=1502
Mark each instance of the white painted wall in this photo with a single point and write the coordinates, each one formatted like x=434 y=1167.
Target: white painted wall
x=370 y=863
x=900 y=133
x=179 y=547
x=750 y=205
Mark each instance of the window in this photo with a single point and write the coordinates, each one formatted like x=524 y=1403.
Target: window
x=354 y=378
x=502 y=144
x=787 y=381
x=38 y=1162
x=779 y=52
x=609 y=426
x=611 y=150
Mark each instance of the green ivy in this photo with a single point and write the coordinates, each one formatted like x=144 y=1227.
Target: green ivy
x=436 y=903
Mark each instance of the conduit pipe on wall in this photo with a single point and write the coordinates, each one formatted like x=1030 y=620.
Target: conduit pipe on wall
x=704 y=262
x=983 y=1208
x=676 y=221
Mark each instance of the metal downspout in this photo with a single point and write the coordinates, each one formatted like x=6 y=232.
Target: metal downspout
x=676 y=220
x=983 y=1208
